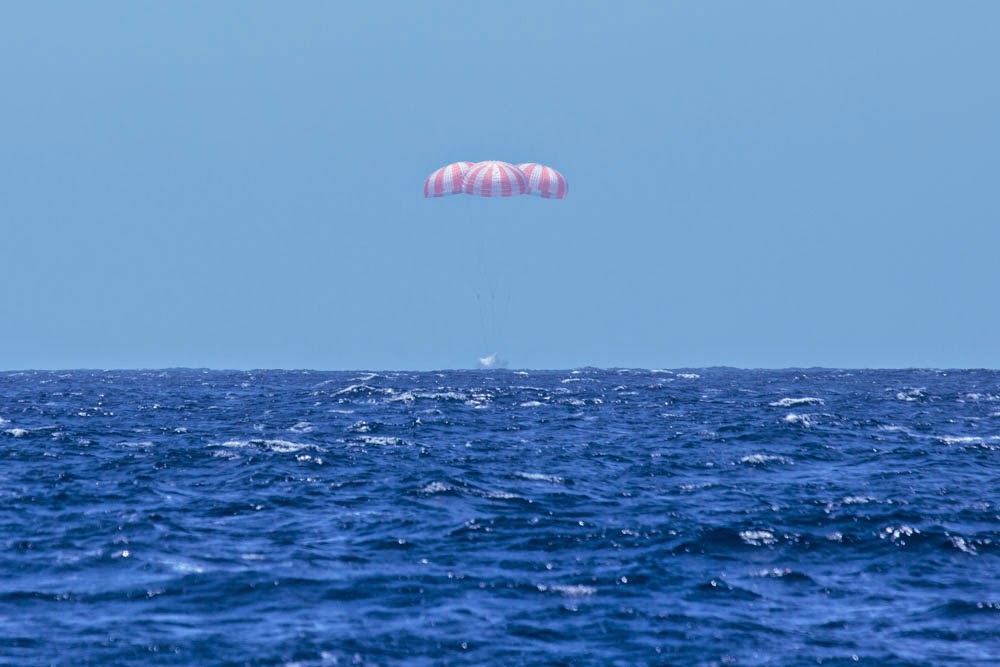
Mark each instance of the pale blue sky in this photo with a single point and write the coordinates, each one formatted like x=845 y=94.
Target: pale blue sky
x=238 y=184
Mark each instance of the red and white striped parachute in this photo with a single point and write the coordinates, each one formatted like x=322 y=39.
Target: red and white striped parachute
x=446 y=180
x=495 y=179
x=544 y=181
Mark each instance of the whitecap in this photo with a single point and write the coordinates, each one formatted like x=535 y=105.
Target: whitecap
x=759 y=459
x=382 y=440
x=961 y=544
x=695 y=487
x=437 y=487
x=531 y=404
x=897 y=533
x=961 y=440
x=912 y=394
x=568 y=590
x=501 y=495
x=479 y=401
x=356 y=389
x=791 y=402
x=688 y=376
x=279 y=446
x=802 y=420
x=540 y=477
x=976 y=397
x=757 y=538
x=444 y=396
x=302 y=427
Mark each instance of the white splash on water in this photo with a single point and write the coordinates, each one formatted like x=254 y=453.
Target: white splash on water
x=492 y=361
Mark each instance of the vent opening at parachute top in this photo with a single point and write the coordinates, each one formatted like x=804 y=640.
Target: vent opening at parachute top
x=495 y=178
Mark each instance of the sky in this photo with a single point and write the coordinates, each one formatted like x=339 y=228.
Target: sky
x=239 y=184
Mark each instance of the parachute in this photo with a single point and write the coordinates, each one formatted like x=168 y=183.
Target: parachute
x=544 y=182
x=494 y=178
x=446 y=180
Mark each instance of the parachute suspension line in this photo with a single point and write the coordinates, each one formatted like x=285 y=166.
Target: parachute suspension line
x=494 y=178
x=486 y=291
x=481 y=307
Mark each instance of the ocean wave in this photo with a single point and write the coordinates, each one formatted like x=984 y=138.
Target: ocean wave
x=758 y=538
x=962 y=439
x=358 y=391
x=437 y=487
x=805 y=421
x=761 y=459
x=911 y=395
x=383 y=440
x=792 y=402
x=568 y=590
x=279 y=446
x=540 y=477
x=643 y=532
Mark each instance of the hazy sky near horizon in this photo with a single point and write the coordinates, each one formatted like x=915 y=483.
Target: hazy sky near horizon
x=239 y=184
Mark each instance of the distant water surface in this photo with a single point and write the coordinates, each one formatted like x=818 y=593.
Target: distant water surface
x=589 y=517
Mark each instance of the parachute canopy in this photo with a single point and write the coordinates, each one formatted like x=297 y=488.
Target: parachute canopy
x=494 y=178
x=544 y=182
x=446 y=180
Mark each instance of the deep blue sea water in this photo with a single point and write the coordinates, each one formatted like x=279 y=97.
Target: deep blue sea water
x=589 y=517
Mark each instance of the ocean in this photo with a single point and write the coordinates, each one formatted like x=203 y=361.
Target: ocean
x=583 y=517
